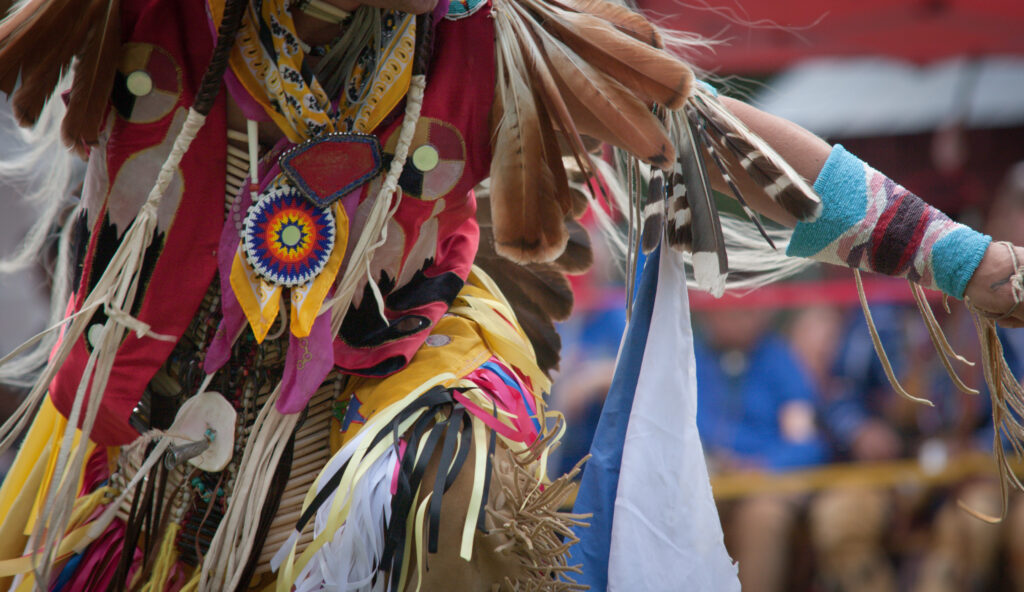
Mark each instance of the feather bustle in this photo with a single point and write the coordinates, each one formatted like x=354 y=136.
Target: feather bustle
x=580 y=201
x=540 y=283
x=550 y=290
x=578 y=255
x=539 y=329
x=537 y=293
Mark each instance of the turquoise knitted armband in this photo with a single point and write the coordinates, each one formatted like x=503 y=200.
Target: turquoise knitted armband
x=869 y=222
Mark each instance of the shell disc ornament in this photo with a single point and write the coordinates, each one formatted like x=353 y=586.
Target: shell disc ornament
x=287 y=239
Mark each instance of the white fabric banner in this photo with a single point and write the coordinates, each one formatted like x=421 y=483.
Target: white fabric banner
x=666 y=535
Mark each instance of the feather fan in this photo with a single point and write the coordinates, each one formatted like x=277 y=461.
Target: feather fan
x=27 y=36
x=36 y=88
x=15 y=46
x=49 y=61
x=583 y=98
x=553 y=160
x=564 y=73
x=548 y=95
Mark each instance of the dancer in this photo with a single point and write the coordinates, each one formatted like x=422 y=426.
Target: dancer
x=332 y=373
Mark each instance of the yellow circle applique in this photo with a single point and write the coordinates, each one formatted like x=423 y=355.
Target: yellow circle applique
x=426 y=158
x=139 y=83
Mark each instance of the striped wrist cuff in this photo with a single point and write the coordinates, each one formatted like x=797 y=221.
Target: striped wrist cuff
x=869 y=222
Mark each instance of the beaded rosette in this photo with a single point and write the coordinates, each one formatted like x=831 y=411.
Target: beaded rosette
x=287 y=239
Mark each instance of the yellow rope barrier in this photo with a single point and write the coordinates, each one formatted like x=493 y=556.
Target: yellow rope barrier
x=877 y=475
x=733 y=485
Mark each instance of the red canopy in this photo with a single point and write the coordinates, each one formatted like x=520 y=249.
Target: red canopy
x=768 y=35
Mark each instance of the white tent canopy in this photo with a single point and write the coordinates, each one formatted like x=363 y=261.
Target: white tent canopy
x=843 y=97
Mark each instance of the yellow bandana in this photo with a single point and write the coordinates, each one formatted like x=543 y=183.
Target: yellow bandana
x=268 y=60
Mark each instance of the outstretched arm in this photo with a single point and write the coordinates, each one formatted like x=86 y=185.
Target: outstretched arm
x=804 y=151
x=990 y=287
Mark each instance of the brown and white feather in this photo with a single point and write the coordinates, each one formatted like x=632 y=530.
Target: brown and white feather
x=526 y=209
x=702 y=224
x=622 y=18
x=94 y=78
x=713 y=148
x=653 y=213
x=88 y=31
x=769 y=170
x=605 y=109
x=652 y=73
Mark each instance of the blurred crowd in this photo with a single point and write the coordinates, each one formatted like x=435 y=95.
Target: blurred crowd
x=784 y=392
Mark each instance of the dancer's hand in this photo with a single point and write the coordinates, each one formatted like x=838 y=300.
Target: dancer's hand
x=995 y=288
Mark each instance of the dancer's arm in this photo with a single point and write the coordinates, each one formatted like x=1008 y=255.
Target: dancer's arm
x=988 y=287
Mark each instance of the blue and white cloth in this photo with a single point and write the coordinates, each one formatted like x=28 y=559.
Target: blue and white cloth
x=655 y=526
